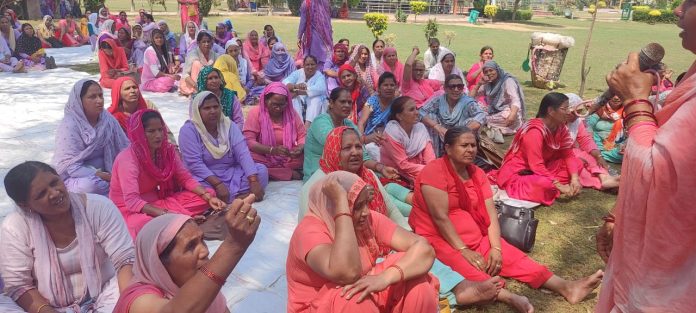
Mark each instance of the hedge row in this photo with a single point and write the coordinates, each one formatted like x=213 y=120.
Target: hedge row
x=643 y=14
x=506 y=15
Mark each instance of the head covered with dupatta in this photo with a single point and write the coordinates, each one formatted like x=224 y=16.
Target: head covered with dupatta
x=322 y=208
x=330 y=162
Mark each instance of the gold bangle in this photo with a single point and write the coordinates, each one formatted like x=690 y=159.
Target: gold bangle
x=498 y=248
x=463 y=248
x=42 y=307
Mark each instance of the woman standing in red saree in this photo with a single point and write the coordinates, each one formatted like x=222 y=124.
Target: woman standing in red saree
x=541 y=165
x=652 y=263
x=332 y=260
x=453 y=209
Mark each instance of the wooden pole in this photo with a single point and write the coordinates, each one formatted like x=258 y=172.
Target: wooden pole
x=583 y=71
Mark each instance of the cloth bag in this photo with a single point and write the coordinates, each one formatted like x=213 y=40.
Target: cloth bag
x=517 y=225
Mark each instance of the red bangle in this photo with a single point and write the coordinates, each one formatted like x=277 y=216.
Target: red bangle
x=633 y=115
x=609 y=218
x=343 y=214
x=401 y=272
x=636 y=101
x=214 y=277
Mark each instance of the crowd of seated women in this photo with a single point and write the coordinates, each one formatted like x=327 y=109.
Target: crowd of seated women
x=392 y=209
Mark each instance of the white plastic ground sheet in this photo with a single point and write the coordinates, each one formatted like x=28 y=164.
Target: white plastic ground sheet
x=31 y=107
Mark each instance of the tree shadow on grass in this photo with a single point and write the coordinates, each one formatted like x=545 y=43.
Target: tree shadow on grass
x=537 y=24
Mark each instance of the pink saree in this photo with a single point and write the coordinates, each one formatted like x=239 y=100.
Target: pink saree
x=652 y=264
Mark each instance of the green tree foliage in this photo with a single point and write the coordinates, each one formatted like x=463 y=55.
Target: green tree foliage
x=376 y=22
x=431 y=29
x=418 y=7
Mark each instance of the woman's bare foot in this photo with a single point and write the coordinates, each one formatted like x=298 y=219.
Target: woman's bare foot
x=476 y=293
x=19 y=68
x=608 y=181
x=575 y=291
x=520 y=303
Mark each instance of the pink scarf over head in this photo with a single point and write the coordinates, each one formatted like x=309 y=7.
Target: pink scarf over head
x=148 y=269
x=258 y=56
x=163 y=168
x=53 y=284
x=398 y=69
x=321 y=207
x=556 y=140
x=267 y=136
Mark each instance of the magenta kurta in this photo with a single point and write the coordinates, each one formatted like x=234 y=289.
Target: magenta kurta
x=132 y=188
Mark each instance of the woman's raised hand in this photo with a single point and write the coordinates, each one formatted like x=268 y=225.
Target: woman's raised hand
x=415 y=50
x=628 y=82
x=334 y=191
x=242 y=221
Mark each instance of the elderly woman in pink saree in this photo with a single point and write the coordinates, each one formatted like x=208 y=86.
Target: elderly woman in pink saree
x=390 y=63
x=61 y=251
x=414 y=85
x=258 y=54
x=649 y=269
x=172 y=271
x=275 y=134
x=150 y=180
x=332 y=260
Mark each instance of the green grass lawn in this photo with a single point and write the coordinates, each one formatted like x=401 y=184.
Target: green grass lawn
x=565 y=237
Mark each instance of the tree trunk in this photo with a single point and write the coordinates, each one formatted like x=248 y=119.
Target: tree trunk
x=132 y=5
x=583 y=71
x=515 y=7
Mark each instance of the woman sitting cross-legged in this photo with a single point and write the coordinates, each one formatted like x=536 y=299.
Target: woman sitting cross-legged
x=112 y=63
x=87 y=141
x=173 y=271
x=332 y=260
x=452 y=109
x=159 y=69
x=29 y=50
x=150 y=180
x=504 y=99
x=211 y=79
x=407 y=146
x=594 y=170
x=453 y=209
x=275 y=134
x=215 y=152
x=308 y=87
x=540 y=165
x=607 y=130
x=395 y=204
x=61 y=251
x=199 y=56
x=340 y=107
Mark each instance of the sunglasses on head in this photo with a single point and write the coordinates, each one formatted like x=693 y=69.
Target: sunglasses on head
x=456 y=86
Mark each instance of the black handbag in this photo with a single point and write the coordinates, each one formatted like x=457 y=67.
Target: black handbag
x=517 y=226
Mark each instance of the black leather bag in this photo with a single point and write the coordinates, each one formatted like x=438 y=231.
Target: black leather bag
x=517 y=226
